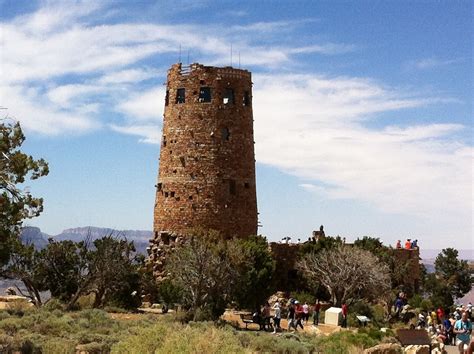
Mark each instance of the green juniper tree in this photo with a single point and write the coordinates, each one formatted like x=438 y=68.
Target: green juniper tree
x=450 y=280
x=16 y=203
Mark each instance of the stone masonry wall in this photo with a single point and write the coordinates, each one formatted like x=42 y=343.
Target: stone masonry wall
x=207 y=164
x=287 y=254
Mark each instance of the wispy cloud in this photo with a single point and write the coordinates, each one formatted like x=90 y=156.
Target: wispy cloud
x=328 y=48
x=271 y=26
x=128 y=76
x=431 y=63
x=147 y=105
x=59 y=40
x=313 y=128
x=148 y=133
x=40 y=115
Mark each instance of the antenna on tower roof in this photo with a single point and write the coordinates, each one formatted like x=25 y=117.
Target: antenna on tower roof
x=239 y=59
x=231 y=54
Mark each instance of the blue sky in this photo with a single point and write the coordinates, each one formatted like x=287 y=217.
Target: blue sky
x=363 y=110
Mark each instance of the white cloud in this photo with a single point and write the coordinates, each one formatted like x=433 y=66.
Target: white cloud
x=62 y=95
x=328 y=48
x=128 y=76
x=39 y=115
x=146 y=105
x=148 y=133
x=430 y=63
x=312 y=127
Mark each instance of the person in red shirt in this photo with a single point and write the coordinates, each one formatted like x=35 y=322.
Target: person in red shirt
x=440 y=314
x=344 y=315
x=316 y=310
x=299 y=314
x=408 y=244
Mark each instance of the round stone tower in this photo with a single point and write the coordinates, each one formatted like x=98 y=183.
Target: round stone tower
x=207 y=164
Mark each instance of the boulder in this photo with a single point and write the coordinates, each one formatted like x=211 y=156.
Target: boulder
x=386 y=348
x=417 y=349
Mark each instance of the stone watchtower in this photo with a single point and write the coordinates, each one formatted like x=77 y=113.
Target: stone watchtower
x=207 y=164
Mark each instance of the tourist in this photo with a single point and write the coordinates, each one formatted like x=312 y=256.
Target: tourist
x=440 y=314
x=463 y=329
x=457 y=313
x=441 y=334
x=398 y=245
x=344 y=314
x=306 y=312
x=414 y=244
x=277 y=317
x=421 y=321
x=257 y=318
x=448 y=325
x=317 y=308
x=434 y=318
x=299 y=315
x=291 y=316
x=408 y=244
x=398 y=306
x=267 y=316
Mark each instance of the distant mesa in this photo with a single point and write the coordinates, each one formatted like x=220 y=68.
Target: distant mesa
x=33 y=235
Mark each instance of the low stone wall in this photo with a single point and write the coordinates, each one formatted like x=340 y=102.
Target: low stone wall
x=286 y=255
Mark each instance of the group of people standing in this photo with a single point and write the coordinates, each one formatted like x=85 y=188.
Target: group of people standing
x=450 y=328
x=409 y=244
x=298 y=315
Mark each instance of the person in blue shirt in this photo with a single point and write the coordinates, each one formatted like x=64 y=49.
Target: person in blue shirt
x=463 y=329
x=449 y=330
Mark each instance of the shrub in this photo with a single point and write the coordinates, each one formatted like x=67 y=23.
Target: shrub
x=114 y=309
x=18 y=308
x=95 y=348
x=85 y=302
x=5 y=341
x=58 y=345
x=344 y=342
x=287 y=343
x=200 y=339
x=146 y=340
x=415 y=301
x=3 y=315
x=95 y=318
x=10 y=325
x=53 y=304
x=426 y=305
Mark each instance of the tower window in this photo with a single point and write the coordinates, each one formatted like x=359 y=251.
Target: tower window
x=225 y=133
x=232 y=187
x=246 y=185
x=180 y=95
x=183 y=161
x=205 y=94
x=246 y=99
x=167 y=97
x=228 y=97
